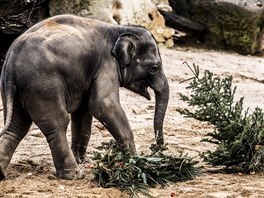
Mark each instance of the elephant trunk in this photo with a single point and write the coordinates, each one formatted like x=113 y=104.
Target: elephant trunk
x=161 y=98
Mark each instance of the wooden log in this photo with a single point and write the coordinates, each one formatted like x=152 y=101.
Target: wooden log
x=182 y=23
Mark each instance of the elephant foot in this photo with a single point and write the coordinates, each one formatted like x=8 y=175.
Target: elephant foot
x=2 y=175
x=82 y=160
x=70 y=174
x=80 y=154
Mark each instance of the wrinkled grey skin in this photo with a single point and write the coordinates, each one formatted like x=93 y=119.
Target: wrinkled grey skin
x=72 y=65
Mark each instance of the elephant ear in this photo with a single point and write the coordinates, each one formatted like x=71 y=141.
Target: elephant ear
x=125 y=48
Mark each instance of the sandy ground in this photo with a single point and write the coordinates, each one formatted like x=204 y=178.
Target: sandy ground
x=30 y=173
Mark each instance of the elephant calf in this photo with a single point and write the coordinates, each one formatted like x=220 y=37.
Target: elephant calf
x=72 y=65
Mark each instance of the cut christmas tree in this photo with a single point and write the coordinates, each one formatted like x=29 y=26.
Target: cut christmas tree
x=239 y=135
x=133 y=174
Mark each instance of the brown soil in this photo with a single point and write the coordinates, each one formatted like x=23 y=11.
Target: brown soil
x=30 y=173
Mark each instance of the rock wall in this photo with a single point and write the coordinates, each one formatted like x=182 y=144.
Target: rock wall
x=124 y=12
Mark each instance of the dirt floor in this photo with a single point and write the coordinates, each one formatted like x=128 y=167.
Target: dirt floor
x=30 y=173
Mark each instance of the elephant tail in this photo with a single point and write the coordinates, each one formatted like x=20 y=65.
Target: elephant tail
x=8 y=106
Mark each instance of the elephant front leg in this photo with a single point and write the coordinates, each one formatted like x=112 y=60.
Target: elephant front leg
x=81 y=121
x=111 y=115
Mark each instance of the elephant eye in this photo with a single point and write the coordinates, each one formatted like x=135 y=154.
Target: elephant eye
x=153 y=69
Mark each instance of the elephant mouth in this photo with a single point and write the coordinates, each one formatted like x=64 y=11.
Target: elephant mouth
x=145 y=93
x=140 y=87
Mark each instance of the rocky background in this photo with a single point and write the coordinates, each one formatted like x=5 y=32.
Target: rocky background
x=223 y=24
x=124 y=12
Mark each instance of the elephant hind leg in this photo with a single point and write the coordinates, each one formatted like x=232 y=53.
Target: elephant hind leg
x=16 y=131
x=53 y=119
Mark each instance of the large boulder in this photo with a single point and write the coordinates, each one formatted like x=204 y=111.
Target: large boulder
x=236 y=25
x=124 y=12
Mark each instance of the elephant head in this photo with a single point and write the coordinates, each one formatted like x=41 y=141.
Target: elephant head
x=140 y=68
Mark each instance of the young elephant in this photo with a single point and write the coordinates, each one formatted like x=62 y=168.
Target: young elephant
x=72 y=65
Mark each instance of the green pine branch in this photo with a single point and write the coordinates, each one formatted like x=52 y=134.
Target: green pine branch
x=117 y=167
x=238 y=134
